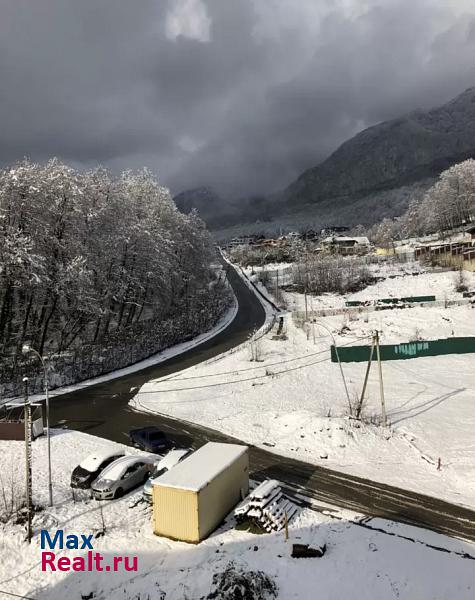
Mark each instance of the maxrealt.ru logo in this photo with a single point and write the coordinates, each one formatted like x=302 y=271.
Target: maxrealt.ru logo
x=91 y=561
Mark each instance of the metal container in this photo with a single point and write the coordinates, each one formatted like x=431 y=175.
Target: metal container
x=193 y=498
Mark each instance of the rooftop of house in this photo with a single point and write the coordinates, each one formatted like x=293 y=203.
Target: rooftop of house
x=362 y=241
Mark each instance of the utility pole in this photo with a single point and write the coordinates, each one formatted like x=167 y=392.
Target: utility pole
x=277 y=287
x=381 y=386
x=360 y=407
x=27 y=418
x=306 y=303
x=306 y=306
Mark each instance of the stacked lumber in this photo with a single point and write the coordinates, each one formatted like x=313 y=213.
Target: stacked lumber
x=267 y=507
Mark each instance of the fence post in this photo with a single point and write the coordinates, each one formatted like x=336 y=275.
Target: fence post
x=381 y=386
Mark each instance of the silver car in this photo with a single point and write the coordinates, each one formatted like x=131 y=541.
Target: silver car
x=170 y=459
x=122 y=475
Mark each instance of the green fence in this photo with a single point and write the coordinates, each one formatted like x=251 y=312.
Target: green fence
x=407 y=300
x=357 y=302
x=455 y=345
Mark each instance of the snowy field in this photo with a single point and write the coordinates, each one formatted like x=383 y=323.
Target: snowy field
x=359 y=563
x=293 y=400
x=401 y=280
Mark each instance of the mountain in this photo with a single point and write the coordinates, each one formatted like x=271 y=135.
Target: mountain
x=392 y=154
x=372 y=175
x=219 y=212
x=203 y=199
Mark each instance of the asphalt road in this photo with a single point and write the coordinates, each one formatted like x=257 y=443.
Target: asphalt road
x=103 y=410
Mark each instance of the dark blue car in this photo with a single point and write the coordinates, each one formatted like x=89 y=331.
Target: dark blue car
x=150 y=439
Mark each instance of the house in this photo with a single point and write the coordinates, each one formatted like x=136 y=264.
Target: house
x=346 y=246
x=454 y=255
x=240 y=241
x=468 y=258
x=471 y=232
x=192 y=499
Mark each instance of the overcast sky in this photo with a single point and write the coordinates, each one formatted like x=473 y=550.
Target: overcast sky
x=242 y=95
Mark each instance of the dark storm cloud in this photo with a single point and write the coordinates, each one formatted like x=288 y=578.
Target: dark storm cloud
x=241 y=95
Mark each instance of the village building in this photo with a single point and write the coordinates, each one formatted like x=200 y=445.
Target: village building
x=346 y=246
x=459 y=254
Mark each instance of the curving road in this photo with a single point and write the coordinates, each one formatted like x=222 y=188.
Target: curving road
x=103 y=410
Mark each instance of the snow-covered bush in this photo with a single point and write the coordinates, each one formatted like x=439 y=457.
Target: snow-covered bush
x=331 y=274
x=12 y=498
x=461 y=281
x=236 y=583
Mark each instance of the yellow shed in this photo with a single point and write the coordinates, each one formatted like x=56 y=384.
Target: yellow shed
x=192 y=499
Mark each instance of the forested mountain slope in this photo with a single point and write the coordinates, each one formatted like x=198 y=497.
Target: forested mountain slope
x=392 y=154
x=373 y=175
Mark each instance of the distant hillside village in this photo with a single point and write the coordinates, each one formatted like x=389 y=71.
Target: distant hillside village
x=455 y=249
x=438 y=229
x=329 y=239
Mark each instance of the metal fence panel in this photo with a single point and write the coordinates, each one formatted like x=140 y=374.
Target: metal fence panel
x=455 y=345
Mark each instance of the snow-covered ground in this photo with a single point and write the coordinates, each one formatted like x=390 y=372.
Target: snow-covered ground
x=401 y=280
x=395 y=326
x=294 y=399
x=359 y=562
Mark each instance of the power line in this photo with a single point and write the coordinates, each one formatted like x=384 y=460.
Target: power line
x=211 y=385
x=16 y=595
x=282 y=362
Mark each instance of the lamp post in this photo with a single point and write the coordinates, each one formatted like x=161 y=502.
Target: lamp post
x=27 y=349
x=27 y=418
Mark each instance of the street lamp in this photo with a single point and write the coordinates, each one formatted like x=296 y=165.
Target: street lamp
x=27 y=349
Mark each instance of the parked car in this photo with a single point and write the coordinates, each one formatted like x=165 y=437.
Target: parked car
x=122 y=475
x=90 y=468
x=150 y=439
x=168 y=461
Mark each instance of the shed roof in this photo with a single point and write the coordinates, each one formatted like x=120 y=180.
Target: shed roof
x=195 y=472
x=343 y=238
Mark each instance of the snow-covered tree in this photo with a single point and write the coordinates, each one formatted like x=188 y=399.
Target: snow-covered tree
x=86 y=258
x=449 y=203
